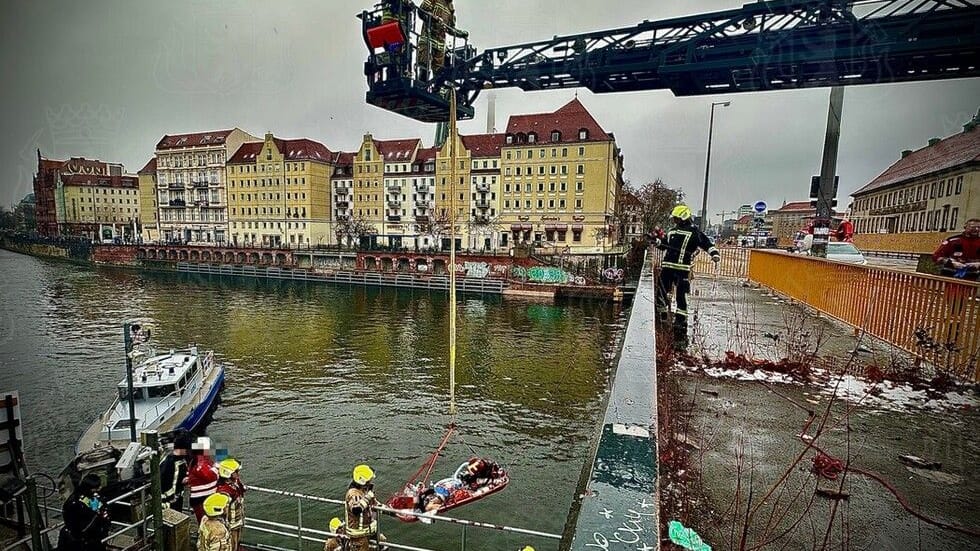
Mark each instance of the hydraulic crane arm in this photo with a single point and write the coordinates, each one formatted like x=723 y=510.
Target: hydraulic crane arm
x=774 y=45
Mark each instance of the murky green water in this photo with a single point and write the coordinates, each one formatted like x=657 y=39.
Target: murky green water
x=321 y=378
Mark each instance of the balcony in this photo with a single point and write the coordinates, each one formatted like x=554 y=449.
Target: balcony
x=175 y=185
x=200 y=183
x=393 y=187
x=482 y=203
x=483 y=187
x=394 y=218
x=394 y=204
x=175 y=203
x=423 y=204
x=343 y=204
x=422 y=188
x=481 y=219
x=421 y=217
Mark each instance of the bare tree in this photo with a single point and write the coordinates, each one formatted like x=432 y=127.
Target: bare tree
x=656 y=200
x=435 y=226
x=483 y=225
x=351 y=228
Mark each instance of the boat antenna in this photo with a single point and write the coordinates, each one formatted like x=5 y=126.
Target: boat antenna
x=452 y=255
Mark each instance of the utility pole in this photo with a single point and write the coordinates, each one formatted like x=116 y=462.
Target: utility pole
x=128 y=343
x=828 y=172
x=707 y=164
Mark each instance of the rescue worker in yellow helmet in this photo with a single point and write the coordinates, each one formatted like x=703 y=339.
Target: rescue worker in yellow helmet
x=213 y=534
x=339 y=541
x=230 y=484
x=680 y=245
x=361 y=522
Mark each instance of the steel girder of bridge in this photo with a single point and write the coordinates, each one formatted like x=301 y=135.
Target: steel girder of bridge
x=773 y=45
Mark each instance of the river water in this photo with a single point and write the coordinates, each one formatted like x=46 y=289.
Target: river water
x=322 y=378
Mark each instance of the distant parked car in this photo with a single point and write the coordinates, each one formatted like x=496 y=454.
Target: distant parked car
x=845 y=252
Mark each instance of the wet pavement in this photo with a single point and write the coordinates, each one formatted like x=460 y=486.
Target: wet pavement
x=743 y=432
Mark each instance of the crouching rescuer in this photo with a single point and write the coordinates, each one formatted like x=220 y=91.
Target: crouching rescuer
x=680 y=244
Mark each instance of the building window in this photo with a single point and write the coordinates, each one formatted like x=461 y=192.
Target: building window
x=561 y=205
x=579 y=186
x=578 y=204
x=540 y=203
x=583 y=134
x=581 y=152
x=577 y=236
x=954 y=214
x=580 y=169
x=959 y=185
x=532 y=137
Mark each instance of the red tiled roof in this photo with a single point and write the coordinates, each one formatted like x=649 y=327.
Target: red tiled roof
x=99 y=180
x=301 y=149
x=196 y=139
x=795 y=207
x=484 y=145
x=629 y=199
x=953 y=151
x=246 y=153
x=398 y=150
x=744 y=220
x=426 y=154
x=150 y=167
x=568 y=120
x=342 y=158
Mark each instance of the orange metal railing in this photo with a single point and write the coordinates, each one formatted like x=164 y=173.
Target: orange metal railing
x=734 y=262
x=935 y=318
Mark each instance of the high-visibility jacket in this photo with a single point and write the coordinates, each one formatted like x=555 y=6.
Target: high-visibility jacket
x=235 y=490
x=173 y=470
x=680 y=245
x=213 y=535
x=359 y=503
x=202 y=478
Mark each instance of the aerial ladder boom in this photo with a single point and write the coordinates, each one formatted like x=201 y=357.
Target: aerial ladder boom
x=772 y=45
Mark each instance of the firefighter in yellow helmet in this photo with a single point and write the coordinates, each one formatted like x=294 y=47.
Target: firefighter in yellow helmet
x=339 y=541
x=438 y=19
x=213 y=534
x=359 y=502
x=230 y=484
x=680 y=244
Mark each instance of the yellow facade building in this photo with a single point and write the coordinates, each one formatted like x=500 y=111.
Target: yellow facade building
x=149 y=213
x=562 y=175
x=279 y=193
x=96 y=200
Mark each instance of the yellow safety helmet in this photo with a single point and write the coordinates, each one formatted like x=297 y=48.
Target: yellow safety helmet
x=228 y=467
x=215 y=504
x=335 y=524
x=527 y=548
x=363 y=474
x=681 y=211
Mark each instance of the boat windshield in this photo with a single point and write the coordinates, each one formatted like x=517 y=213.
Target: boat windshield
x=160 y=391
x=124 y=396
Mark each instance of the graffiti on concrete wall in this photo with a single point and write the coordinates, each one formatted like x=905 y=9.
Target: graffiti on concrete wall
x=546 y=274
x=476 y=269
x=613 y=274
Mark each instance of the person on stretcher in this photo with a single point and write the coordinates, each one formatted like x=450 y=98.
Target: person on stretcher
x=471 y=476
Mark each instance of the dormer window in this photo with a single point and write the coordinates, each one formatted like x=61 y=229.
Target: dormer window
x=583 y=134
x=532 y=137
x=510 y=138
x=555 y=136
x=521 y=138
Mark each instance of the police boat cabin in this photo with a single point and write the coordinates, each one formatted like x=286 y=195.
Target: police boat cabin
x=170 y=391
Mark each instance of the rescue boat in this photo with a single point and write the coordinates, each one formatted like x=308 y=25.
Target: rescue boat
x=171 y=391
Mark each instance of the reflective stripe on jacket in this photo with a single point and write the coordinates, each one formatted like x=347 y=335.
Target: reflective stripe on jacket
x=680 y=245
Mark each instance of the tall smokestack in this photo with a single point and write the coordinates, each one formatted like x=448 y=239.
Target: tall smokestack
x=491 y=113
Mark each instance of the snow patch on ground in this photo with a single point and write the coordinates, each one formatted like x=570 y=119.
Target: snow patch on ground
x=883 y=397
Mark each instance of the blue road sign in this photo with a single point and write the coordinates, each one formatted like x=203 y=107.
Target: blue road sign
x=760 y=206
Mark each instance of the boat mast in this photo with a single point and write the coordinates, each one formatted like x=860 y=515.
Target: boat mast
x=452 y=254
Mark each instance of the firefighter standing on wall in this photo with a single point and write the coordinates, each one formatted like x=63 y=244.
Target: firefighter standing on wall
x=230 y=484
x=679 y=244
x=202 y=476
x=359 y=503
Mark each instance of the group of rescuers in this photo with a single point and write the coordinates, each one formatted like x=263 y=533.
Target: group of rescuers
x=217 y=498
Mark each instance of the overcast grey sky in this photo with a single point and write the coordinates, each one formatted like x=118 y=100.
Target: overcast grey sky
x=108 y=78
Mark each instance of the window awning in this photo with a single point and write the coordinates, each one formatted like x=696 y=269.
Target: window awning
x=577 y=227
x=550 y=227
x=527 y=227
x=515 y=227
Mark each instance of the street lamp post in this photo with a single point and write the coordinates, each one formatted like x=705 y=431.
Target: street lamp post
x=707 y=163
